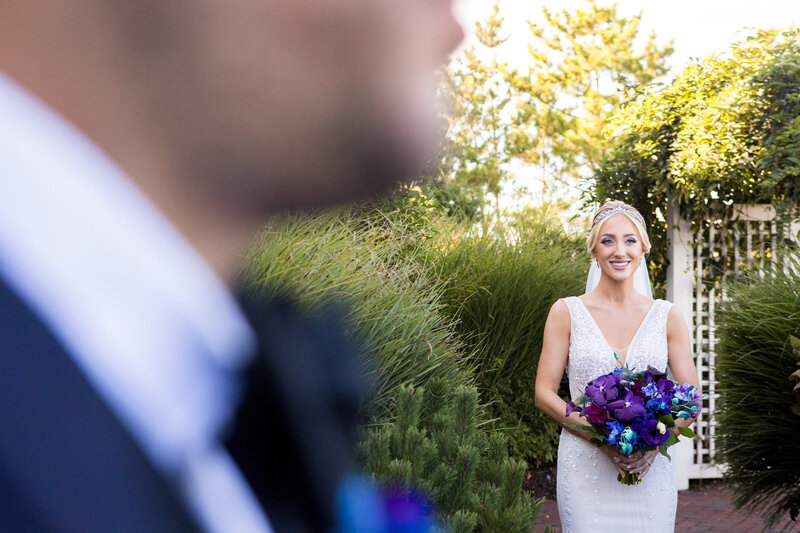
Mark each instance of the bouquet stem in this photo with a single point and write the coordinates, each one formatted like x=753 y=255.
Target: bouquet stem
x=629 y=479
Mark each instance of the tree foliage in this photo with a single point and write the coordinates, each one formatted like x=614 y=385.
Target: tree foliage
x=582 y=62
x=548 y=120
x=725 y=131
x=438 y=445
x=476 y=154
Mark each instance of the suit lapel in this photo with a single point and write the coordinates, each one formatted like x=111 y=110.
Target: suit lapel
x=63 y=453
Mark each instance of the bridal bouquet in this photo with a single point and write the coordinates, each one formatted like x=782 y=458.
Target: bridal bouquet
x=635 y=411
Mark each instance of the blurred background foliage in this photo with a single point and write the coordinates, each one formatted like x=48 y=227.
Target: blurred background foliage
x=421 y=289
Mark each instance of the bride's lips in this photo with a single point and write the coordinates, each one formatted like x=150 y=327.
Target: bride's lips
x=619 y=265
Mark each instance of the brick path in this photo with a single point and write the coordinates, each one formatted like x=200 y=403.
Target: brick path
x=704 y=507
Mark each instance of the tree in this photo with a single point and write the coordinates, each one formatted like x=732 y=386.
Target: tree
x=436 y=444
x=582 y=64
x=725 y=131
x=476 y=154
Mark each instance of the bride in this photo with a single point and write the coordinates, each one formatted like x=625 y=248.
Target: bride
x=615 y=323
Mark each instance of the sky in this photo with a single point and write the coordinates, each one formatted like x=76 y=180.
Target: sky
x=699 y=27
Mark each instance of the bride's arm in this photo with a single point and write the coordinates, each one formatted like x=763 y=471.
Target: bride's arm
x=552 y=362
x=681 y=361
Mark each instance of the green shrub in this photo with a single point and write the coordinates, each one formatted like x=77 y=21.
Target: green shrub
x=758 y=432
x=499 y=290
x=374 y=264
x=434 y=443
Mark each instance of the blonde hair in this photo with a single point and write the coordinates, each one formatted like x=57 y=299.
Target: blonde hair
x=609 y=209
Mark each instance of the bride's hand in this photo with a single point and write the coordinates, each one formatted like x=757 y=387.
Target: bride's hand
x=640 y=462
x=617 y=459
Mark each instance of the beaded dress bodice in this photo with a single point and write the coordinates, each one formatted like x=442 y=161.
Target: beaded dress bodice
x=591 y=356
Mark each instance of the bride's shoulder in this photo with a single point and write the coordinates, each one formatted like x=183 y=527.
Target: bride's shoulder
x=560 y=311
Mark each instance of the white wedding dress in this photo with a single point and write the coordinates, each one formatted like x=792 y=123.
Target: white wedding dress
x=590 y=499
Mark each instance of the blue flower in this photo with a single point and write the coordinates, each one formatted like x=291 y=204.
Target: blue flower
x=623 y=373
x=686 y=393
x=627 y=439
x=656 y=404
x=615 y=429
x=651 y=390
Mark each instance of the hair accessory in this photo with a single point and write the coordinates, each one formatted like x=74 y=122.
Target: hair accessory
x=616 y=211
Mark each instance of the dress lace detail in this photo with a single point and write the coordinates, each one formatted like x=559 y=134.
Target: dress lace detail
x=589 y=497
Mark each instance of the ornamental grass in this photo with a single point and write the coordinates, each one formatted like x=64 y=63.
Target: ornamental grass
x=758 y=413
x=500 y=288
x=375 y=265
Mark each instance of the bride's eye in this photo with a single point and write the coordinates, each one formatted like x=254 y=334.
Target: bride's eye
x=631 y=241
x=607 y=241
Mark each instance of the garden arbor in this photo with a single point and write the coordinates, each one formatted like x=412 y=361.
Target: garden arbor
x=702 y=256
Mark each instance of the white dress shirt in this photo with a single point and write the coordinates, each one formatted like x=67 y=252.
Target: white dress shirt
x=145 y=318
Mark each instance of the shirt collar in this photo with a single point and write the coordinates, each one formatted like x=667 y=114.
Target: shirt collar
x=148 y=321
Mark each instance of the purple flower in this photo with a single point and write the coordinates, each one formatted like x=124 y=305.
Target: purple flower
x=628 y=409
x=597 y=414
x=665 y=385
x=651 y=432
x=408 y=512
x=571 y=407
x=603 y=390
x=656 y=373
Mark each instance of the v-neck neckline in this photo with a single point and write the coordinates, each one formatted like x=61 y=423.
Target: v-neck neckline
x=635 y=335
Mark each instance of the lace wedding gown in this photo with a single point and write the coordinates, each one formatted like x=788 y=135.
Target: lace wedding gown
x=590 y=499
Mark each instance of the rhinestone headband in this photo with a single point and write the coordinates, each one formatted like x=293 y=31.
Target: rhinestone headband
x=617 y=211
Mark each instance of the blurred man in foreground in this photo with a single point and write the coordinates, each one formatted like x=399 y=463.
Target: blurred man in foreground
x=142 y=143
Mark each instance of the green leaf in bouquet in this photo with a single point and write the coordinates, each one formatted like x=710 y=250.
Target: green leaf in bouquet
x=597 y=440
x=581 y=427
x=663 y=451
x=673 y=439
x=686 y=432
x=668 y=420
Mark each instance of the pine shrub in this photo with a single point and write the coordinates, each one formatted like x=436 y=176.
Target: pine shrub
x=758 y=422
x=434 y=442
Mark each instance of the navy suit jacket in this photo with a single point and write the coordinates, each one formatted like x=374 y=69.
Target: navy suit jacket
x=68 y=465
x=66 y=462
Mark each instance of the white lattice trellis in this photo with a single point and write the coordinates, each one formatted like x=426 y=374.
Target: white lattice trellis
x=702 y=256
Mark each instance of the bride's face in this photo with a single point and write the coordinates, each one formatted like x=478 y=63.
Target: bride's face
x=619 y=248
